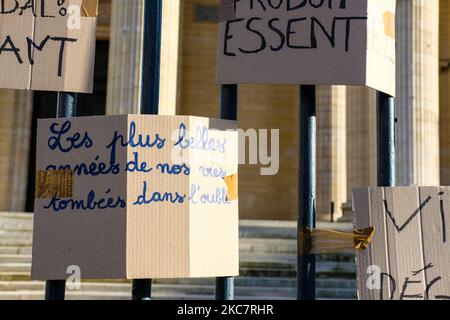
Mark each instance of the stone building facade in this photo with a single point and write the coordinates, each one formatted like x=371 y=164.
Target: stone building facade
x=346 y=142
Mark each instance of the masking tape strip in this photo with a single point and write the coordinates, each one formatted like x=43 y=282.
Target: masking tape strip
x=54 y=183
x=89 y=8
x=227 y=10
x=389 y=24
x=320 y=241
x=232 y=183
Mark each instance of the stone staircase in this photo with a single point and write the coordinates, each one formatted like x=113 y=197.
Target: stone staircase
x=268 y=267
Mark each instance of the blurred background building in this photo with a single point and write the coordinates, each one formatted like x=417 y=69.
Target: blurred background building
x=346 y=115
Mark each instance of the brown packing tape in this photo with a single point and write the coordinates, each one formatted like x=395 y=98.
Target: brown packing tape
x=54 y=183
x=232 y=183
x=227 y=10
x=389 y=24
x=89 y=8
x=321 y=241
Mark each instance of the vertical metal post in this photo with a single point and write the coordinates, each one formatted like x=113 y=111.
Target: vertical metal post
x=151 y=56
x=306 y=263
x=66 y=108
x=151 y=62
x=386 y=140
x=228 y=111
x=55 y=290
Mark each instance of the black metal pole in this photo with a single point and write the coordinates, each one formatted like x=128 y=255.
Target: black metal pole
x=55 y=290
x=228 y=111
x=306 y=264
x=151 y=62
x=386 y=140
x=66 y=108
x=151 y=56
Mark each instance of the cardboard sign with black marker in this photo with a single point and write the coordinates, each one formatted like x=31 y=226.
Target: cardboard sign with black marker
x=332 y=42
x=48 y=45
x=409 y=254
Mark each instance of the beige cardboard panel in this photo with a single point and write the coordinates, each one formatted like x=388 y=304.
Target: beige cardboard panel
x=95 y=240
x=75 y=66
x=361 y=203
x=406 y=236
x=417 y=241
x=157 y=233
x=15 y=75
x=369 y=209
x=379 y=245
x=99 y=250
x=163 y=238
x=435 y=240
x=344 y=59
x=324 y=65
x=381 y=46
x=215 y=220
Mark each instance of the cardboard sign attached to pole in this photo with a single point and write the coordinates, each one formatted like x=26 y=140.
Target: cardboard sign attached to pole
x=410 y=252
x=48 y=44
x=136 y=197
x=332 y=42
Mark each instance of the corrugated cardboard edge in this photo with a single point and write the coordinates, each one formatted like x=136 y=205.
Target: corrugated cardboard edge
x=227 y=10
x=89 y=8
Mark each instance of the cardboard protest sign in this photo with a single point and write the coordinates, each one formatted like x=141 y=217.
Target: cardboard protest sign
x=130 y=197
x=409 y=254
x=325 y=42
x=48 y=44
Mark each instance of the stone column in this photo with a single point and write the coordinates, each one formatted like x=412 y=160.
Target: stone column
x=124 y=74
x=15 y=123
x=417 y=101
x=445 y=91
x=361 y=138
x=361 y=143
x=331 y=151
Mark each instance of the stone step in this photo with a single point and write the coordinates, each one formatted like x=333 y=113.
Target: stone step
x=239 y=282
x=16 y=225
x=15 y=234
x=248 y=228
x=344 y=270
x=263 y=247
x=252 y=268
x=16 y=221
x=16 y=242
x=15 y=258
x=18 y=268
x=281 y=229
x=124 y=291
x=247 y=259
x=15 y=250
x=32 y=295
x=332 y=293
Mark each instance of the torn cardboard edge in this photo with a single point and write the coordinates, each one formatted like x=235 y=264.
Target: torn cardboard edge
x=323 y=241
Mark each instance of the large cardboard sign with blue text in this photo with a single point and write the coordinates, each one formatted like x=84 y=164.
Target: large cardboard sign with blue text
x=130 y=197
x=309 y=42
x=409 y=256
x=48 y=44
